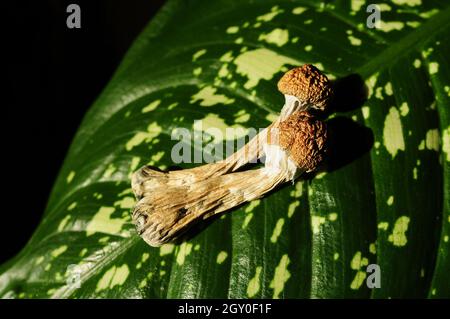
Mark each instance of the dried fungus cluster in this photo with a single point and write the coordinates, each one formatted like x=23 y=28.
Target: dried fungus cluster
x=169 y=203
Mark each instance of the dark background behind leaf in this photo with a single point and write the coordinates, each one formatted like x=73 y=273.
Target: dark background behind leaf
x=53 y=74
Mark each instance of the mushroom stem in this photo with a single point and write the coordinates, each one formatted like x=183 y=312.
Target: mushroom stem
x=297 y=145
x=165 y=215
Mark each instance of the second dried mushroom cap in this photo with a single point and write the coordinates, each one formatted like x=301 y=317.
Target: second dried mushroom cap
x=308 y=84
x=304 y=138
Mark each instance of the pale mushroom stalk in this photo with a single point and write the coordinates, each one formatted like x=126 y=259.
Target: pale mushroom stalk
x=298 y=145
x=304 y=88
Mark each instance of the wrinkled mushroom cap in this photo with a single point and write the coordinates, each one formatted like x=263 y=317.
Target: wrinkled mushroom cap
x=304 y=138
x=307 y=84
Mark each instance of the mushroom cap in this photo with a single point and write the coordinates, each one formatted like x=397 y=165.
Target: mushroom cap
x=307 y=84
x=304 y=138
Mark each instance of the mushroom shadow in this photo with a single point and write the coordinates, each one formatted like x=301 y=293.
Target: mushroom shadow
x=350 y=93
x=348 y=140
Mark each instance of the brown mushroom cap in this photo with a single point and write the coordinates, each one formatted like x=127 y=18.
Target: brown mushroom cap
x=308 y=84
x=304 y=138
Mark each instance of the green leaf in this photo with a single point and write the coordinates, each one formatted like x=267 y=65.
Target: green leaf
x=220 y=61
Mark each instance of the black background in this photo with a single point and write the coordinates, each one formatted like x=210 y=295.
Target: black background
x=53 y=74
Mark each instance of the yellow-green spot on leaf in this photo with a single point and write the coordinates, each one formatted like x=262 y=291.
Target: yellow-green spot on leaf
x=295 y=39
x=292 y=207
x=379 y=93
x=354 y=41
x=239 y=40
x=371 y=82
x=365 y=112
x=446 y=238
x=390 y=26
x=432 y=140
x=390 y=200
x=398 y=236
x=70 y=177
x=357 y=4
x=271 y=117
x=166 y=249
x=388 y=89
x=281 y=276
x=415 y=171
x=316 y=222
x=227 y=57
x=384 y=7
x=269 y=16
x=446 y=142
x=197 y=246
x=358 y=261
x=393 y=133
x=410 y=3
x=247 y=220
x=260 y=64
x=143 y=283
x=252 y=205
x=98 y=195
x=47 y=267
x=72 y=206
x=241 y=117
x=134 y=164
x=422 y=273
x=413 y=24
x=358 y=280
x=39 y=260
x=153 y=130
x=433 y=67
x=429 y=14
x=156 y=158
x=223 y=72
x=197 y=71
x=308 y=48
x=151 y=107
x=277 y=230
x=404 y=109
x=277 y=36
x=103 y=223
x=383 y=225
x=299 y=10
x=103 y=240
x=373 y=248
x=336 y=256
x=232 y=30
x=427 y=52
x=253 y=285
x=126 y=202
x=421 y=145
x=208 y=97
x=115 y=276
x=83 y=252
x=198 y=54
x=298 y=190
x=221 y=257
x=183 y=252
x=417 y=63
x=145 y=257
x=58 y=251
x=109 y=170
x=332 y=217
x=63 y=223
